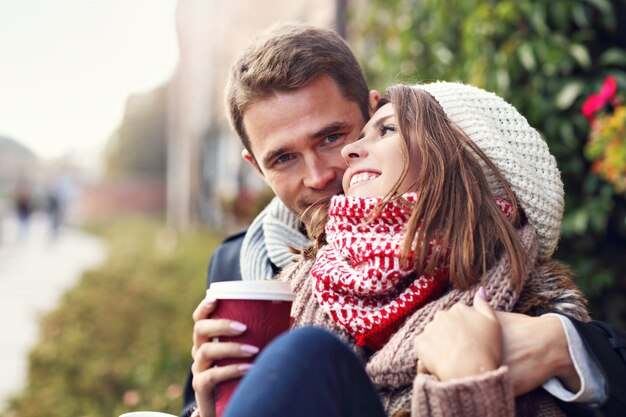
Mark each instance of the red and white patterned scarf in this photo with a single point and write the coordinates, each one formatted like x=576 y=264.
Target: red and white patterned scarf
x=358 y=278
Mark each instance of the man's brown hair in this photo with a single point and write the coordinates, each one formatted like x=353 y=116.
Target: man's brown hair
x=287 y=57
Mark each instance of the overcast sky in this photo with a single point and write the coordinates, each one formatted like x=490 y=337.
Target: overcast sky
x=67 y=67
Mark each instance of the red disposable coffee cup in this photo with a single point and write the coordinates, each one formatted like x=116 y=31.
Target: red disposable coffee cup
x=263 y=306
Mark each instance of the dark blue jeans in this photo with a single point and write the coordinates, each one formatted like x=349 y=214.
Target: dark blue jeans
x=306 y=372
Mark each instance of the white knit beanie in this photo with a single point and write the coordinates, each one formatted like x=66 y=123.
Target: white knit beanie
x=515 y=148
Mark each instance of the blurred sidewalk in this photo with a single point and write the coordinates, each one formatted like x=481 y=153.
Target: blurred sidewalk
x=35 y=271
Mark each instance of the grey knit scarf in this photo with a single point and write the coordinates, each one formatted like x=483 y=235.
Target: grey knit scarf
x=268 y=239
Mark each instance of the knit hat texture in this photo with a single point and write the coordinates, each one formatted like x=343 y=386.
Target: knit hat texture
x=515 y=148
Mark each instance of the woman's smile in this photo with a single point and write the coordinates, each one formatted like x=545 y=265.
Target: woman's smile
x=362 y=177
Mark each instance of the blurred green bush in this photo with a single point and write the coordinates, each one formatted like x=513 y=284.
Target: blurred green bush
x=121 y=339
x=543 y=57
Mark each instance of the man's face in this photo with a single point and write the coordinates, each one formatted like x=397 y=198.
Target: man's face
x=296 y=137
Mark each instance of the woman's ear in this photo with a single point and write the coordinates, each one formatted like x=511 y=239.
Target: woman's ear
x=373 y=101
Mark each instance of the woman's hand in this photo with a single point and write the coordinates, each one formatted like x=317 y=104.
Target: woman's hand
x=460 y=342
x=206 y=350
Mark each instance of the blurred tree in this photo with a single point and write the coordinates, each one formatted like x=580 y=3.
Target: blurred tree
x=544 y=58
x=137 y=148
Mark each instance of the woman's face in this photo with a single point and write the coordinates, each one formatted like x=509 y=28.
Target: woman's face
x=375 y=161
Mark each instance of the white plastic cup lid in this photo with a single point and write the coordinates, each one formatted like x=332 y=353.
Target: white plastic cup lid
x=251 y=290
x=147 y=414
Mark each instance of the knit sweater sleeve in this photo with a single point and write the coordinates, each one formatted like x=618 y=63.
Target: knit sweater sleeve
x=487 y=395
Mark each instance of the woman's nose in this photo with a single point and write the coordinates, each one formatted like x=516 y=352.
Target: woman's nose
x=352 y=151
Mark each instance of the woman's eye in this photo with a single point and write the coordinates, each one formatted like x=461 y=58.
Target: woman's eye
x=384 y=129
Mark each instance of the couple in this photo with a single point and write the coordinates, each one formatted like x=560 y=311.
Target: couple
x=430 y=154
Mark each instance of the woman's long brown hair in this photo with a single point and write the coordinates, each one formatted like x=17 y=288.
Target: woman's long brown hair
x=454 y=203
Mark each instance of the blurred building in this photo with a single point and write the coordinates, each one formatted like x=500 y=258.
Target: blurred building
x=135 y=162
x=203 y=154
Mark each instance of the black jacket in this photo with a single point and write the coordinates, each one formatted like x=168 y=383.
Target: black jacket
x=606 y=344
x=607 y=347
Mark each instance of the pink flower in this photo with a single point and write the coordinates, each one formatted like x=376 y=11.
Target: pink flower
x=593 y=104
x=596 y=102
x=609 y=88
x=131 y=398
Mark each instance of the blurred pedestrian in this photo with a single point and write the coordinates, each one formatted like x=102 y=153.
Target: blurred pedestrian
x=53 y=208
x=57 y=197
x=23 y=205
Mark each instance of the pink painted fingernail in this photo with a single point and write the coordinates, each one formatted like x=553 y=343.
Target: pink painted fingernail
x=482 y=293
x=209 y=301
x=249 y=349
x=238 y=327
x=245 y=367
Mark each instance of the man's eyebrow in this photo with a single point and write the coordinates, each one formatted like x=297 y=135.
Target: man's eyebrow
x=269 y=157
x=330 y=128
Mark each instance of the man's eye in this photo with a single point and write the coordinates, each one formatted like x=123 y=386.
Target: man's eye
x=333 y=138
x=384 y=129
x=284 y=158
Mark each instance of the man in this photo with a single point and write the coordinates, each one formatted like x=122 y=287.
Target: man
x=295 y=98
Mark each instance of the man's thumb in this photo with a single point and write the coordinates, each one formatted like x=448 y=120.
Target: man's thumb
x=482 y=306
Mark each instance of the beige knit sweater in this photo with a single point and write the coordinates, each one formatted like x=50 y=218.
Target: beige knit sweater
x=393 y=368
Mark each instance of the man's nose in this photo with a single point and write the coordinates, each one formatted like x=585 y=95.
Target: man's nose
x=320 y=174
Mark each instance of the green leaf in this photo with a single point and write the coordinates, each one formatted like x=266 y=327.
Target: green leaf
x=538 y=18
x=606 y=10
x=578 y=221
x=603 y=6
x=568 y=137
x=526 y=57
x=579 y=14
x=560 y=14
x=503 y=80
x=581 y=55
x=568 y=95
x=613 y=56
